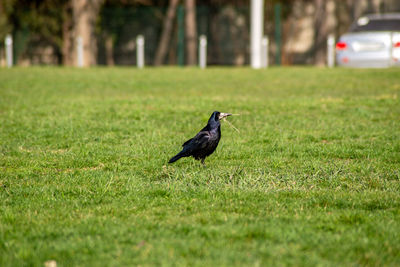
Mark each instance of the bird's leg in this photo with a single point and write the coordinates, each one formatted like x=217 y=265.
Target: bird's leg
x=202 y=162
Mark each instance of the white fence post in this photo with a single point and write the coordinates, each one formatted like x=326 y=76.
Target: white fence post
x=264 y=51
x=140 y=51
x=9 y=50
x=331 y=51
x=203 y=52
x=256 y=32
x=79 y=52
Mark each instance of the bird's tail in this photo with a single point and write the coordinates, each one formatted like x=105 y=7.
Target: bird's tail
x=175 y=158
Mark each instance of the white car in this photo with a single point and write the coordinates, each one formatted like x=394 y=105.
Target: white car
x=373 y=41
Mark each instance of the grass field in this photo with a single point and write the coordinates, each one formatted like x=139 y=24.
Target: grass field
x=311 y=179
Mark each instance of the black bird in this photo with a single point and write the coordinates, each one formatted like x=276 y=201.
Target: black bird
x=205 y=142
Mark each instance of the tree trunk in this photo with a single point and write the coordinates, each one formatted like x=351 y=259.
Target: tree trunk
x=109 y=45
x=67 y=32
x=191 y=32
x=325 y=22
x=320 y=32
x=3 y=22
x=2 y=60
x=358 y=8
x=166 y=33
x=85 y=13
x=5 y=28
x=374 y=6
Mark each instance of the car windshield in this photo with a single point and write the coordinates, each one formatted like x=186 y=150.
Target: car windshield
x=365 y=24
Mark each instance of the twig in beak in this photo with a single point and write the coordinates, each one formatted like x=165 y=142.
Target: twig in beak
x=231 y=123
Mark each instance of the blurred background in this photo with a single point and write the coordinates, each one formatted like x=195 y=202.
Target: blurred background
x=46 y=32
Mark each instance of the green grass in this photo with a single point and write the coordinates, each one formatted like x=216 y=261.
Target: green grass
x=311 y=179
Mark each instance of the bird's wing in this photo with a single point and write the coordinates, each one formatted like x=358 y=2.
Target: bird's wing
x=202 y=135
x=197 y=142
x=187 y=142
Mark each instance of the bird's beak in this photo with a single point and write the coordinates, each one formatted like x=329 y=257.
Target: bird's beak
x=224 y=115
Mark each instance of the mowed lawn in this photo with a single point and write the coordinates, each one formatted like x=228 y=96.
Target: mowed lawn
x=312 y=178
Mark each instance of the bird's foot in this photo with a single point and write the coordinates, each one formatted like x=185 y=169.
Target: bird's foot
x=203 y=163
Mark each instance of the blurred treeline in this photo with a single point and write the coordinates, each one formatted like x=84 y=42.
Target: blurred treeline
x=45 y=31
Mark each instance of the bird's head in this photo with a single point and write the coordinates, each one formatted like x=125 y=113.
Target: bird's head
x=217 y=116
